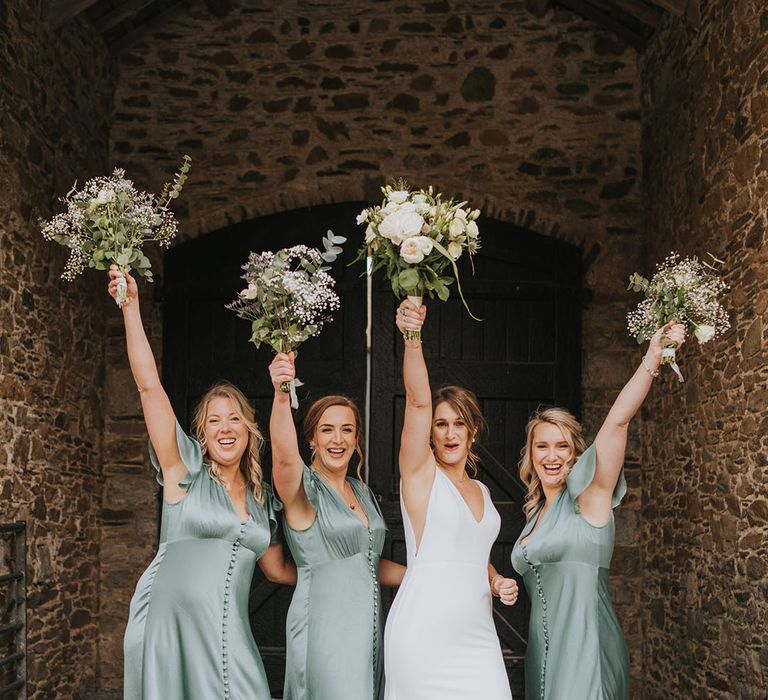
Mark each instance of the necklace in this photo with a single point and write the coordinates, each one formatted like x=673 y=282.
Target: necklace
x=351 y=505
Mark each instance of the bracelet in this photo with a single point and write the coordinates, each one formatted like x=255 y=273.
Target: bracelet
x=652 y=372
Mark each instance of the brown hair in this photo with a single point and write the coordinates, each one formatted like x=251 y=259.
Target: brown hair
x=571 y=429
x=315 y=412
x=250 y=465
x=465 y=403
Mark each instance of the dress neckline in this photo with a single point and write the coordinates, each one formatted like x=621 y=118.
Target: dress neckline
x=526 y=536
x=464 y=500
x=367 y=523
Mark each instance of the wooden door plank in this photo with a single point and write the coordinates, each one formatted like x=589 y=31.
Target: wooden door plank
x=59 y=12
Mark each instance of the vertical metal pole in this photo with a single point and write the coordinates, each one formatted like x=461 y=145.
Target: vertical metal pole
x=20 y=541
x=368 y=350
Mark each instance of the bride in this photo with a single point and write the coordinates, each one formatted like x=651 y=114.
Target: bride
x=440 y=642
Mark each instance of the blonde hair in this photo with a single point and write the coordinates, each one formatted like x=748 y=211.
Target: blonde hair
x=250 y=465
x=571 y=430
x=465 y=403
x=315 y=412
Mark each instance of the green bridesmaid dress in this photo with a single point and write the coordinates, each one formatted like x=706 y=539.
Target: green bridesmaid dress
x=188 y=635
x=333 y=629
x=576 y=650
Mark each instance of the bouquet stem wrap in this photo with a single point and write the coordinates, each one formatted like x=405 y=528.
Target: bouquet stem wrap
x=122 y=292
x=669 y=357
x=290 y=388
x=413 y=333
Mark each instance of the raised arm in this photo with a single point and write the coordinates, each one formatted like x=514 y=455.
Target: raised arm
x=158 y=413
x=287 y=465
x=415 y=453
x=611 y=440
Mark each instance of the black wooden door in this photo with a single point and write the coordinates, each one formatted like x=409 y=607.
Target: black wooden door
x=524 y=353
x=203 y=342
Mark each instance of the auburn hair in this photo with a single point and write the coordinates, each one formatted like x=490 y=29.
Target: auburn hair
x=315 y=413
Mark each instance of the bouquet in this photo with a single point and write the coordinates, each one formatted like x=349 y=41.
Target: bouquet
x=289 y=297
x=109 y=220
x=684 y=291
x=416 y=236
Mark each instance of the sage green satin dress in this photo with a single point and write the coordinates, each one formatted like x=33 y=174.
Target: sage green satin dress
x=576 y=650
x=188 y=635
x=333 y=629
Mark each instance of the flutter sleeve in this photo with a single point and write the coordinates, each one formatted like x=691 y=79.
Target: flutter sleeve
x=311 y=486
x=583 y=472
x=190 y=453
x=274 y=509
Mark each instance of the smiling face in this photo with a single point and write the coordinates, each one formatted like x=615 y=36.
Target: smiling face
x=226 y=435
x=335 y=439
x=551 y=455
x=451 y=438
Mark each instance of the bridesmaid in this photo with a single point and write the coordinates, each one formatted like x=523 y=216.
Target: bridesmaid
x=440 y=640
x=188 y=635
x=335 y=531
x=575 y=645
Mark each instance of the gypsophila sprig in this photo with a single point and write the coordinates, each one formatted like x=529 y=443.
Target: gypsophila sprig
x=683 y=290
x=109 y=220
x=415 y=236
x=290 y=294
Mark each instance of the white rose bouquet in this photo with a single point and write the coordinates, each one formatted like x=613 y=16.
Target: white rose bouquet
x=684 y=291
x=109 y=221
x=415 y=236
x=289 y=297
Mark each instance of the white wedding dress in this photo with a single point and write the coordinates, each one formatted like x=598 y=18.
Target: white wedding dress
x=440 y=642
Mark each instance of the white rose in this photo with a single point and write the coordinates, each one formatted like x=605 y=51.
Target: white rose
x=251 y=292
x=454 y=250
x=398 y=196
x=460 y=213
x=419 y=199
x=415 y=249
x=398 y=226
x=370 y=234
x=105 y=195
x=407 y=207
x=704 y=333
x=456 y=228
x=362 y=217
x=390 y=207
x=472 y=230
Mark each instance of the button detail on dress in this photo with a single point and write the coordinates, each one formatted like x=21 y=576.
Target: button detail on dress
x=540 y=592
x=225 y=613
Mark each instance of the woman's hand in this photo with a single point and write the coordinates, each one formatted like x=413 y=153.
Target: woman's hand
x=669 y=333
x=409 y=317
x=115 y=274
x=282 y=369
x=505 y=589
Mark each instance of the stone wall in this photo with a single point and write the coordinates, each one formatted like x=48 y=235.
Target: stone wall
x=54 y=116
x=537 y=121
x=705 y=513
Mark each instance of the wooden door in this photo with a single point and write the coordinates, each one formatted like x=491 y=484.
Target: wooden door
x=524 y=353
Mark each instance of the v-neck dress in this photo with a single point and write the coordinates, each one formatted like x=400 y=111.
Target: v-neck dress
x=575 y=645
x=333 y=628
x=188 y=635
x=440 y=642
